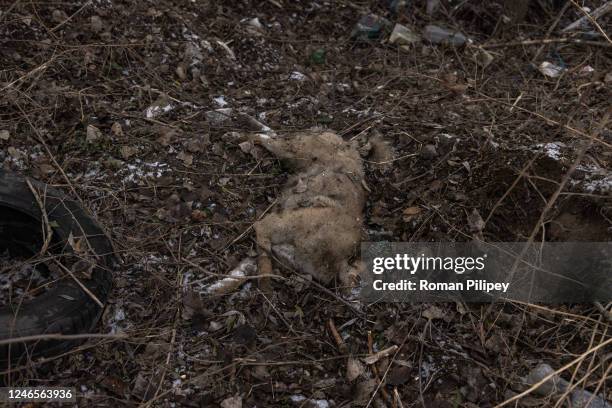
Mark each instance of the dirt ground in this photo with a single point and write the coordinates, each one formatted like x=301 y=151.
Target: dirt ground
x=108 y=100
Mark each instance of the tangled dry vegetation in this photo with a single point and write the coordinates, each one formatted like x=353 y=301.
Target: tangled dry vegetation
x=130 y=108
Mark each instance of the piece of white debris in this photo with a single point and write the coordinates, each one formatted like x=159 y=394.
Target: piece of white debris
x=235 y=278
x=550 y=70
x=220 y=101
x=156 y=110
x=297 y=76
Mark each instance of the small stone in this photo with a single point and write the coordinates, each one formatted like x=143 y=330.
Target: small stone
x=429 y=152
x=4 y=134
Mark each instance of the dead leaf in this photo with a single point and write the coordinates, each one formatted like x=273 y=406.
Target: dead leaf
x=15 y=154
x=198 y=215
x=117 y=129
x=4 y=134
x=475 y=221
x=410 y=213
x=167 y=136
x=186 y=158
x=93 y=134
x=45 y=169
x=354 y=369
x=114 y=385
x=434 y=313
x=128 y=151
x=75 y=243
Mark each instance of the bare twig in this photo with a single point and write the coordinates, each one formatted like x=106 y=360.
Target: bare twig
x=57 y=336
x=47 y=231
x=601 y=11
x=81 y=285
x=554 y=373
x=337 y=338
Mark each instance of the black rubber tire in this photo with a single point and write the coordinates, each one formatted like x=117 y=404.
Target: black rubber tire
x=65 y=308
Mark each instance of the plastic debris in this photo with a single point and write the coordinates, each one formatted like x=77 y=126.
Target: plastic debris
x=402 y=35
x=370 y=27
x=318 y=56
x=557 y=386
x=439 y=35
x=550 y=70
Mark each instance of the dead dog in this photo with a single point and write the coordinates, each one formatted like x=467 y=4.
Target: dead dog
x=316 y=225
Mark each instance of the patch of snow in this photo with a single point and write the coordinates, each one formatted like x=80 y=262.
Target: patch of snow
x=551 y=150
x=140 y=170
x=297 y=398
x=153 y=111
x=220 y=101
x=596 y=180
